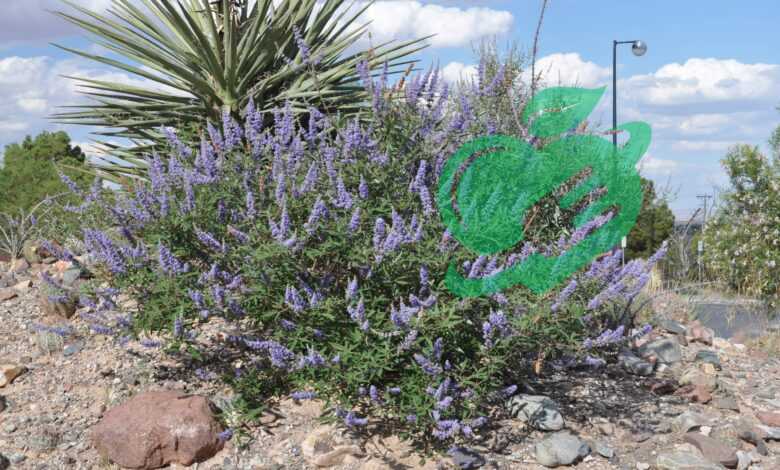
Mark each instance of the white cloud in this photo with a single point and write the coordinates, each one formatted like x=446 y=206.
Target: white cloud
x=569 y=69
x=455 y=72
x=700 y=85
x=657 y=166
x=452 y=26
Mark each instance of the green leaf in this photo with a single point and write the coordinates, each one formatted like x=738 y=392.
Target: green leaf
x=554 y=111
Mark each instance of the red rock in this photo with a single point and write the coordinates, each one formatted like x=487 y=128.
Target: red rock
x=769 y=418
x=155 y=429
x=7 y=294
x=713 y=449
x=699 y=333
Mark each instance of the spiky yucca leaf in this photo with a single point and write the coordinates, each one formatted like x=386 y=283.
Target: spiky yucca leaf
x=203 y=57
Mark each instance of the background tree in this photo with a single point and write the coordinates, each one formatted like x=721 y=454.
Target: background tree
x=201 y=59
x=654 y=224
x=30 y=172
x=742 y=240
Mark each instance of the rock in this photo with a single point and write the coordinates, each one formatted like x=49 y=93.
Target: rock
x=321 y=449
x=642 y=466
x=3 y=403
x=694 y=393
x=603 y=449
x=743 y=460
x=769 y=418
x=684 y=458
x=23 y=286
x=708 y=357
x=70 y=276
x=606 y=429
x=65 y=307
x=154 y=429
x=713 y=449
x=695 y=376
x=17 y=458
x=753 y=436
x=699 y=333
x=633 y=364
x=666 y=350
x=9 y=373
x=4 y=462
x=465 y=458
x=19 y=266
x=672 y=326
x=561 y=448
x=726 y=403
x=690 y=420
x=769 y=432
x=8 y=293
x=539 y=411
x=73 y=348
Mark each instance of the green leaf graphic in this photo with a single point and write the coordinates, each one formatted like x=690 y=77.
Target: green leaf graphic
x=556 y=110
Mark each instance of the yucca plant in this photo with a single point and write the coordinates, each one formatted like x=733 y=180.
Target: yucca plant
x=203 y=59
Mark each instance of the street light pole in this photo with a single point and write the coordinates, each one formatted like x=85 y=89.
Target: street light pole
x=638 y=48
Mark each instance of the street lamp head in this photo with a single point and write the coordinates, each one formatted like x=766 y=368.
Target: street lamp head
x=639 y=48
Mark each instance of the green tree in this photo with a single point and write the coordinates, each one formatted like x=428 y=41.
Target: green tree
x=31 y=170
x=654 y=224
x=742 y=240
x=199 y=59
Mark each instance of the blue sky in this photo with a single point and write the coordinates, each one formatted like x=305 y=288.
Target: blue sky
x=710 y=78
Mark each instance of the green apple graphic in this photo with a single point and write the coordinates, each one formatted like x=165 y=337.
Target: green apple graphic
x=487 y=186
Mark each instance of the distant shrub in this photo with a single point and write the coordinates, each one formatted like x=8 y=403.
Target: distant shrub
x=321 y=247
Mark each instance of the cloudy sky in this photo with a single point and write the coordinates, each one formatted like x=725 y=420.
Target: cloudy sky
x=710 y=78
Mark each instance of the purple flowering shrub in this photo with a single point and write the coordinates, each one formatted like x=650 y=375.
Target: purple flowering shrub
x=318 y=242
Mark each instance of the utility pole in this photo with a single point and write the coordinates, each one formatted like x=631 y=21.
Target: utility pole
x=705 y=198
x=700 y=248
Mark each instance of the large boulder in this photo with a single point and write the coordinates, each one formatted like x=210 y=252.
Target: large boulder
x=561 y=448
x=539 y=411
x=665 y=350
x=155 y=429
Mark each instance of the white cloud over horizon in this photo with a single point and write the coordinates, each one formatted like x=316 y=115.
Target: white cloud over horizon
x=451 y=26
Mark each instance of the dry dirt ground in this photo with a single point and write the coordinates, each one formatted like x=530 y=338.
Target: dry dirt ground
x=68 y=384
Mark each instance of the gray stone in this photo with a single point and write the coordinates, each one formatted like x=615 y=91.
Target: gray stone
x=634 y=364
x=772 y=434
x=726 y=403
x=73 y=348
x=601 y=448
x=672 y=326
x=70 y=276
x=690 y=420
x=466 y=458
x=744 y=460
x=666 y=350
x=539 y=411
x=708 y=357
x=17 y=458
x=683 y=460
x=561 y=448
